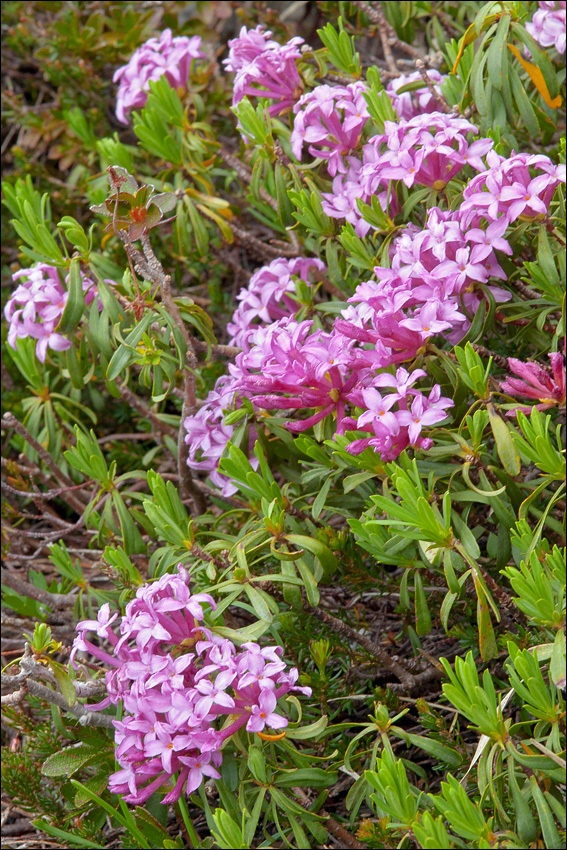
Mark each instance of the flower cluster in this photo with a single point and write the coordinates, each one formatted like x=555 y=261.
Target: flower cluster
x=420 y=100
x=548 y=24
x=265 y=68
x=347 y=188
x=294 y=366
x=536 y=383
x=267 y=296
x=158 y=56
x=520 y=186
x=330 y=120
x=178 y=682
x=207 y=435
x=287 y=367
x=438 y=275
x=397 y=418
x=435 y=274
x=36 y=307
x=427 y=150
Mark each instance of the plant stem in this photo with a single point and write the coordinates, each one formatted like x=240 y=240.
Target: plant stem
x=192 y=834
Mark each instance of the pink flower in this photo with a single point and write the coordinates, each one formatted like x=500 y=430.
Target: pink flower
x=330 y=120
x=418 y=101
x=262 y=714
x=427 y=150
x=167 y=56
x=36 y=307
x=537 y=383
x=424 y=411
x=199 y=766
x=548 y=25
x=248 y=46
x=267 y=296
x=175 y=702
x=520 y=186
x=208 y=436
x=272 y=73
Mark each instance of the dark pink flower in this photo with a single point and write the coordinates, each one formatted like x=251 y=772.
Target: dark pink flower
x=537 y=383
x=272 y=73
x=330 y=120
x=175 y=701
x=165 y=55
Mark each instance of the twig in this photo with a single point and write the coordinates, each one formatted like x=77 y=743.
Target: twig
x=217 y=350
x=245 y=174
x=157 y=275
x=55 y=601
x=87 y=718
x=331 y=824
x=17 y=697
x=38 y=495
x=10 y=421
x=263 y=250
x=377 y=17
x=486 y=352
x=144 y=409
x=435 y=93
x=372 y=648
x=524 y=290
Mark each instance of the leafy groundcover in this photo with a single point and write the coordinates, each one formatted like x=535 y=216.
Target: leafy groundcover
x=283 y=402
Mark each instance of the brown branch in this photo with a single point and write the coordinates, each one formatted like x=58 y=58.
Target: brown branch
x=435 y=93
x=376 y=15
x=144 y=409
x=524 y=290
x=87 y=718
x=262 y=249
x=372 y=648
x=217 y=350
x=337 y=831
x=17 y=697
x=245 y=174
x=486 y=352
x=10 y=421
x=56 y=601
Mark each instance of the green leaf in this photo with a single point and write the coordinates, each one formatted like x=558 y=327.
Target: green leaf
x=422 y=615
x=68 y=761
x=62 y=835
x=319 y=502
x=546 y=818
x=434 y=748
x=504 y=443
x=75 y=301
x=312 y=777
x=497 y=60
x=65 y=683
x=304 y=733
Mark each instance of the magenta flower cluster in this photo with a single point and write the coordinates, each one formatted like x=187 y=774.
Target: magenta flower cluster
x=267 y=296
x=208 y=435
x=265 y=68
x=426 y=150
x=185 y=691
x=535 y=383
x=547 y=26
x=36 y=306
x=158 y=56
x=419 y=101
x=520 y=186
x=330 y=120
x=438 y=275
